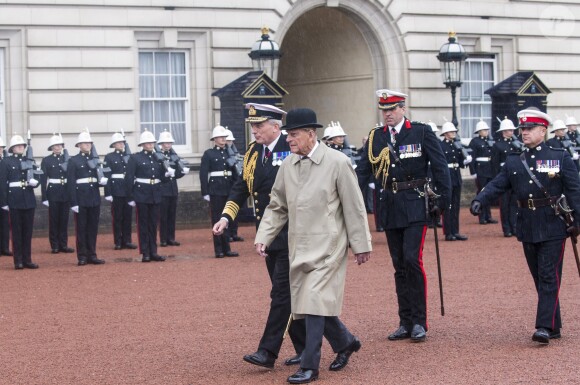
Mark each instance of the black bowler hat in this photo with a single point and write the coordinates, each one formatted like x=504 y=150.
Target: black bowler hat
x=301 y=118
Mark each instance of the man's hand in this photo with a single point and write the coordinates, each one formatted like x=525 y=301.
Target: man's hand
x=362 y=257
x=33 y=183
x=5 y=208
x=170 y=173
x=435 y=210
x=132 y=203
x=45 y=203
x=185 y=170
x=467 y=160
x=220 y=226
x=109 y=198
x=372 y=186
x=103 y=181
x=475 y=208
x=206 y=197
x=261 y=249
x=575 y=156
x=75 y=209
x=574 y=231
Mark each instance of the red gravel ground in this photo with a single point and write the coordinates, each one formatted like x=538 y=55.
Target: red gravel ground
x=191 y=319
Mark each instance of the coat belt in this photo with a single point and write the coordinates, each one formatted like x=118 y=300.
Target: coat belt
x=406 y=185
x=483 y=159
x=220 y=173
x=533 y=203
x=147 y=181
x=453 y=165
x=118 y=176
x=87 y=180
x=57 y=181
x=21 y=183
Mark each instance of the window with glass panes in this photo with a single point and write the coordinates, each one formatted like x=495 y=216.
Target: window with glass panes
x=163 y=93
x=2 y=103
x=478 y=76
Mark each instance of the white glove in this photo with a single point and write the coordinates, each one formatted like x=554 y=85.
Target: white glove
x=475 y=175
x=131 y=203
x=185 y=170
x=103 y=181
x=170 y=173
x=467 y=160
x=75 y=209
x=575 y=156
x=5 y=208
x=45 y=203
x=33 y=183
x=109 y=198
x=372 y=186
x=206 y=197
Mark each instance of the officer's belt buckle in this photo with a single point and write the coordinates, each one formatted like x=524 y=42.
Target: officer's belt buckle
x=91 y=179
x=23 y=183
x=151 y=181
x=394 y=187
x=531 y=204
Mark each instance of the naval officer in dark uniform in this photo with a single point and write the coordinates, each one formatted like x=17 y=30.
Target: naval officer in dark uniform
x=53 y=187
x=261 y=163
x=399 y=156
x=85 y=199
x=116 y=193
x=539 y=176
x=17 y=197
x=145 y=173
x=4 y=222
x=481 y=147
x=216 y=178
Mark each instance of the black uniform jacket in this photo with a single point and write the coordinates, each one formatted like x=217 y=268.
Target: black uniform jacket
x=116 y=186
x=261 y=181
x=55 y=192
x=416 y=146
x=499 y=152
x=556 y=172
x=18 y=197
x=82 y=194
x=214 y=160
x=144 y=166
x=480 y=148
x=169 y=187
x=453 y=156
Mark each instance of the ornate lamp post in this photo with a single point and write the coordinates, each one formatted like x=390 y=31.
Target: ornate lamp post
x=265 y=55
x=452 y=55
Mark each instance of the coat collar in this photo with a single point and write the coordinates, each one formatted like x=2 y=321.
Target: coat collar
x=316 y=157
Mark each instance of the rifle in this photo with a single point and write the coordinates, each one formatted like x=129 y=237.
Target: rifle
x=458 y=145
x=64 y=165
x=161 y=158
x=568 y=146
x=95 y=163
x=127 y=149
x=565 y=213
x=430 y=197
x=29 y=164
x=232 y=159
x=348 y=151
x=517 y=144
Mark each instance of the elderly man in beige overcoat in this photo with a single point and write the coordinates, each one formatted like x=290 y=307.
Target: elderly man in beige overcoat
x=316 y=191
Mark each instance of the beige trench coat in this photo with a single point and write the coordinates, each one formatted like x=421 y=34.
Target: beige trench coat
x=322 y=201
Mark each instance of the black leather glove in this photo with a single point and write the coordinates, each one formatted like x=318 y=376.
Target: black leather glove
x=475 y=208
x=574 y=231
x=435 y=208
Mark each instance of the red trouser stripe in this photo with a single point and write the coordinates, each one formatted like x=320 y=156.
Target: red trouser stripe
x=423 y=271
x=558 y=283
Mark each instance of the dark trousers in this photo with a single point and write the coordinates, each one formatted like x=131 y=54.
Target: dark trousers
x=58 y=224
x=167 y=219
x=122 y=215
x=233 y=228
x=280 y=306
x=87 y=228
x=508 y=212
x=21 y=224
x=485 y=214
x=4 y=231
x=545 y=263
x=220 y=242
x=406 y=249
x=451 y=213
x=147 y=217
x=316 y=327
x=377 y=208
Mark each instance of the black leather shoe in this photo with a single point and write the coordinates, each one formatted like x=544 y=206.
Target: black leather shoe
x=130 y=246
x=342 y=357
x=439 y=225
x=507 y=235
x=542 y=336
x=19 y=266
x=6 y=252
x=82 y=262
x=96 y=261
x=146 y=258
x=261 y=358
x=492 y=221
x=67 y=250
x=555 y=334
x=219 y=255
x=401 y=333
x=118 y=247
x=418 y=334
x=231 y=254
x=173 y=243
x=483 y=222
x=303 y=376
x=157 y=258
x=460 y=237
x=450 y=238
x=237 y=238
x=163 y=244
x=230 y=239
x=30 y=265
x=54 y=251
x=293 y=360
x=380 y=229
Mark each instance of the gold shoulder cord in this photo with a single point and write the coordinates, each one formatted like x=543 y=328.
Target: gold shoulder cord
x=250 y=167
x=381 y=163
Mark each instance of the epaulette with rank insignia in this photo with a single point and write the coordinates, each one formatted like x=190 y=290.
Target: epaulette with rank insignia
x=249 y=166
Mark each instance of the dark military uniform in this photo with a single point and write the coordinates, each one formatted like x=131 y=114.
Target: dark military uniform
x=169 y=192
x=566 y=143
x=455 y=158
x=258 y=185
x=573 y=135
x=53 y=186
x=121 y=212
x=83 y=189
x=4 y=225
x=542 y=233
x=143 y=183
x=404 y=215
x=507 y=202
x=216 y=179
x=233 y=157
x=481 y=153
x=19 y=197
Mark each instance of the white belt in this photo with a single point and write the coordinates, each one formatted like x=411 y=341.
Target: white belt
x=482 y=159
x=147 y=181
x=220 y=173
x=118 y=176
x=21 y=183
x=501 y=164
x=57 y=181
x=452 y=165
x=87 y=180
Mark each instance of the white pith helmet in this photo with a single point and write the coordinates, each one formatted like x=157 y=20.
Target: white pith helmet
x=15 y=141
x=165 y=137
x=481 y=125
x=218 y=131
x=55 y=139
x=146 y=137
x=116 y=138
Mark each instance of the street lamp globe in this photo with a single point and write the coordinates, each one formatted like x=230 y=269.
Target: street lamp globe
x=265 y=55
x=451 y=56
